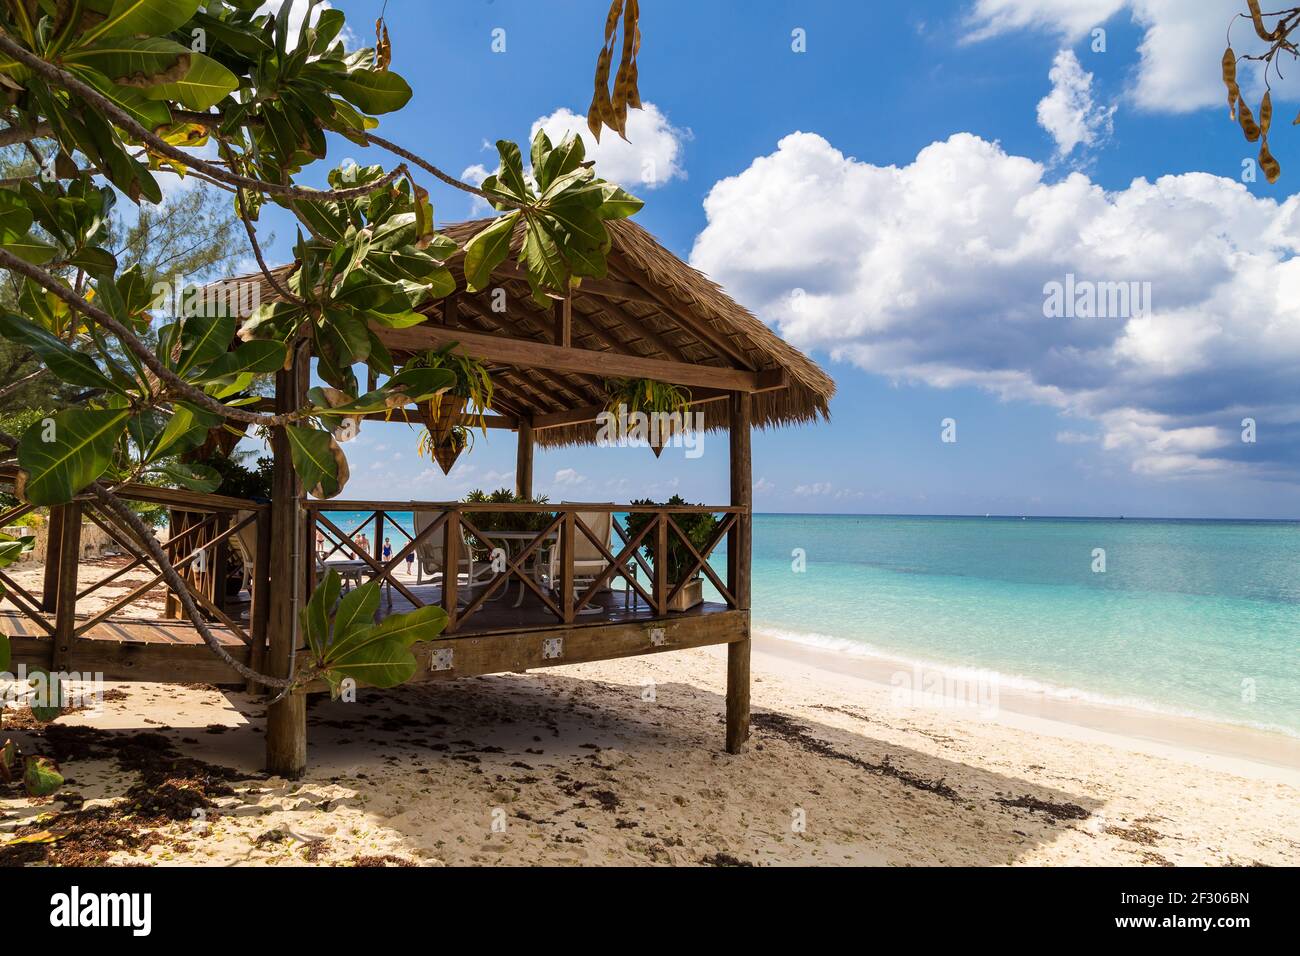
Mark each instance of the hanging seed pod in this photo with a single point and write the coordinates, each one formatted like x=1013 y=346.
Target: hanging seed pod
x=383 y=46
x=1266 y=113
x=1230 y=81
x=1257 y=18
x=1272 y=170
x=1247 y=120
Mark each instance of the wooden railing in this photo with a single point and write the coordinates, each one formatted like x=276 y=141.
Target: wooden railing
x=203 y=543
x=565 y=594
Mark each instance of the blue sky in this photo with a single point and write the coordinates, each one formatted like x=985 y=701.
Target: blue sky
x=893 y=200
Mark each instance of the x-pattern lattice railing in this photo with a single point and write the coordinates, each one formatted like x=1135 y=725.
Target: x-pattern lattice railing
x=455 y=526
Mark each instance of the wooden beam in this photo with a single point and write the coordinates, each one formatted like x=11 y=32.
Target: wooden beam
x=699 y=396
x=527 y=354
x=409 y=416
x=738 y=570
x=476 y=654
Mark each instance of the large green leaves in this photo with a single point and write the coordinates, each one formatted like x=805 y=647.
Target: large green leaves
x=68 y=364
x=60 y=456
x=141 y=18
x=346 y=643
x=374 y=91
x=487 y=250
x=317 y=459
x=203 y=86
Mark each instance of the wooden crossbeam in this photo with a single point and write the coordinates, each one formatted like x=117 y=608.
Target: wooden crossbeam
x=530 y=354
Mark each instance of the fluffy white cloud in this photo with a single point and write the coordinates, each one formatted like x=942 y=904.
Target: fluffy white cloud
x=1068 y=112
x=1071 y=18
x=298 y=10
x=936 y=272
x=1180 y=47
x=650 y=157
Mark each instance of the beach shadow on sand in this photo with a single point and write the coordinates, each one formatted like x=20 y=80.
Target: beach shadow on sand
x=589 y=771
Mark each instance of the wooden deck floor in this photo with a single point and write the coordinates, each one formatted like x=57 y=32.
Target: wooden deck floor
x=134 y=648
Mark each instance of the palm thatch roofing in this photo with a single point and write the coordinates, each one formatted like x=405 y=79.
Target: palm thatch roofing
x=652 y=305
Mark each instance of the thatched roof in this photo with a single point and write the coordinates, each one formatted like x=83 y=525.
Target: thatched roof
x=652 y=305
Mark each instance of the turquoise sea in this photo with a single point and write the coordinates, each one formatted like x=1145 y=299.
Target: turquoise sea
x=1195 y=617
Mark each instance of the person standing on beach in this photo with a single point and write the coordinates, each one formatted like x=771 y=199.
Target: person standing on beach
x=388 y=549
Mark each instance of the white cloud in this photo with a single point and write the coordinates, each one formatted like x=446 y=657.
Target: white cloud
x=568 y=477
x=1068 y=112
x=1179 y=51
x=1070 y=18
x=650 y=157
x=298 y=11
x=934 y=272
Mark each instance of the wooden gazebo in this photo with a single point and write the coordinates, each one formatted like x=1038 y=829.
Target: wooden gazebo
x=652 y=317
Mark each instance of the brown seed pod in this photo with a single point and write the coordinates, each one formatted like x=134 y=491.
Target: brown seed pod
x=1272 y=170
x=1247 y=120
x=1266 y=113
x=1257 y=18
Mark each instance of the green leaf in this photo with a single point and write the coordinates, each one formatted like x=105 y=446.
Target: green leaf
x=617 y=203
x=422 y=624
x=67 y=363
x=205 y=85
x=205 y=339
x=140 y=18
x=6 y=654
x=356 y=611
x=32 y=250
x=487 y=250
x=260 y=356
x=195 y=477
x=15 y=217
x=314 y=459
x=317 y=613
x=374 y=91
x=138 y=62
x=79 y=449
x=53 y=695
x=41 y=777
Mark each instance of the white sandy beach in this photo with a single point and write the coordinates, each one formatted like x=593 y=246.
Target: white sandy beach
x=620 y=762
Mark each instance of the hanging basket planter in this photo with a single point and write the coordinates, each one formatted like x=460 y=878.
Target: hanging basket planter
x=446 y=455
x=441 y=414
x=447 y=451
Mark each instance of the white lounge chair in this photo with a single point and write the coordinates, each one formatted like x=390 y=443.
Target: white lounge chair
x=429 y=556
x=588 y=562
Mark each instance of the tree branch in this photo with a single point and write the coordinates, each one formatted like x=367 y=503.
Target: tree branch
x=151 y=361
x=125 y=121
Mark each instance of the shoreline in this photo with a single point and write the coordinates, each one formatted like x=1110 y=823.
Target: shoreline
x=1220 y=745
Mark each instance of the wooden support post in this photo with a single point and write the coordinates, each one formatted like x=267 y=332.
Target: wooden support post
x=524 y=461
x=65 y=606
x=286 y=720
x=738 y=559
x=259 y=611
x=661 y=565
x=450 y=568
x=50 y=591
x=567 y=530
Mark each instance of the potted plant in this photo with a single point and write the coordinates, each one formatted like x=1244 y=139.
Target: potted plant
x=699 y=528
x=489 y=521
x=442 y=413
x=664 y=406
